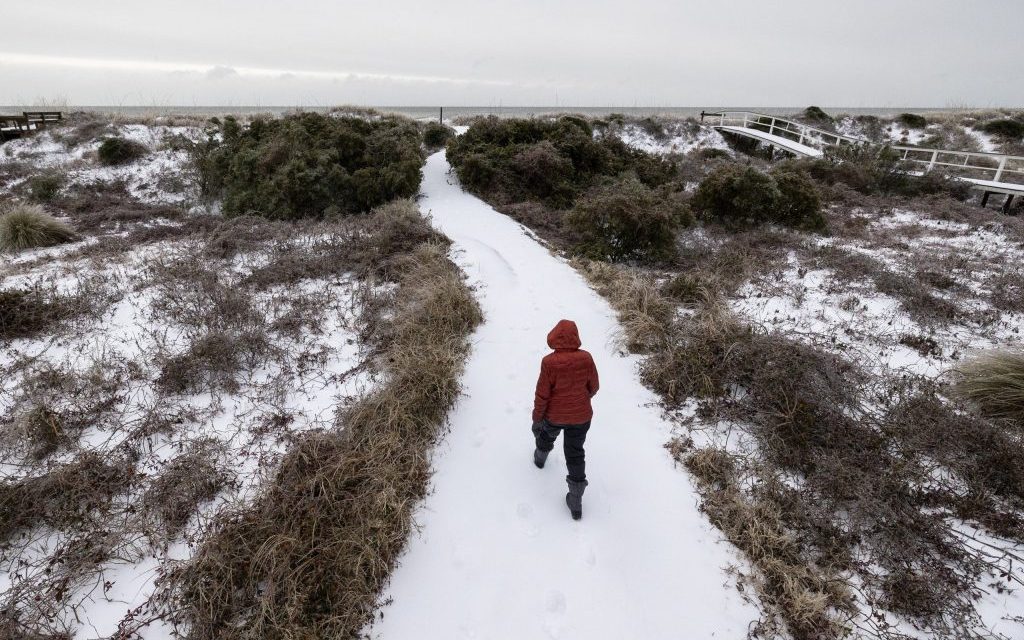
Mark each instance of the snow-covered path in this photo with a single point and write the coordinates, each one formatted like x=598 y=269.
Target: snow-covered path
x=498 y=555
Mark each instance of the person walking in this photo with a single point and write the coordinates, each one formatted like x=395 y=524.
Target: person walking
x=568 y=380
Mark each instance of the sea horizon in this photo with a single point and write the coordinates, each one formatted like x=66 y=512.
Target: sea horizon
x=433 y=111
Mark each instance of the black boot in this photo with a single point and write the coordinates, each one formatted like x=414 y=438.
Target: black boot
x=574 y=499
x=540 y=457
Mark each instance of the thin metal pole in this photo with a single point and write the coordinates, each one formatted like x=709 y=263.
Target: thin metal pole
x=440 y=116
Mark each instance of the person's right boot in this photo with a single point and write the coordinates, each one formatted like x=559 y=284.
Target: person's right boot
x=574 y=499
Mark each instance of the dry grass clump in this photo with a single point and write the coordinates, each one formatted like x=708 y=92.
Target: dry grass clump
x=366 y=244
x=913 y=294
x=811 y=602
x=81 y=501
x=212 y=361
x=64 y=496
x=45 y=187
x=685 y=354
x=994 y=382
x=57 y=403
x=26 y=312
x=846 y=510
x=28 y=226
x=192 y=478
x=310 y=555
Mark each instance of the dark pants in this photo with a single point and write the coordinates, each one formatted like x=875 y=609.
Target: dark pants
x=575 y=436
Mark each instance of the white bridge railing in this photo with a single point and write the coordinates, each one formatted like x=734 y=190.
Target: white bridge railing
x=971 y=165
x=773 y=125
x=976 y=165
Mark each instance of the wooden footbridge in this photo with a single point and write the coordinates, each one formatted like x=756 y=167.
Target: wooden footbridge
x=15 y=126
x=987 y=172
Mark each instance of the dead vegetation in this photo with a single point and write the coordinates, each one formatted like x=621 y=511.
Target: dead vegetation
x=326 y=530
x=175 y=361
x=29 y=226
x=844 y=502
x=995 y=382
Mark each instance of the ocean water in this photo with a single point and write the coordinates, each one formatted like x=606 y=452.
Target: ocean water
x=431 y=112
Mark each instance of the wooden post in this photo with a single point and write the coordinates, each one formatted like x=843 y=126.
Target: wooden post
x=999 y=171
x=1008 y=203
x=984 y=198
x=440 y=116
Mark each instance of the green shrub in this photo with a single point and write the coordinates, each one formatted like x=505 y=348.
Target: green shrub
x=1005 y=128
x=553 y=161
x=310 y=164
x=912 y=120
x=995 y=383
x=545 y=170
x=45 y=187
x=816 y=114
x=739 y=196
x=877 y=170
x=710 y=153
x=29 y=226
x=114 y=151
x=627 y=220
x=799 y=204
x=436 y=135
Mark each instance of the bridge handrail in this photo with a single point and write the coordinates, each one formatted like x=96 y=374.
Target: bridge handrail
x=1006 y=165
x=778 y=124
x=1004 y=162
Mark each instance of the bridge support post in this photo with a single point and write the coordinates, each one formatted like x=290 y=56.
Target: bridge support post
x=984 y=198
x=1008 y=204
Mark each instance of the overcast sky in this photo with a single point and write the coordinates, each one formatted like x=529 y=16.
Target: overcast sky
x=853 y=53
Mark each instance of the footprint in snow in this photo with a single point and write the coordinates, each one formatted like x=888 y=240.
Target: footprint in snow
x=554 y=602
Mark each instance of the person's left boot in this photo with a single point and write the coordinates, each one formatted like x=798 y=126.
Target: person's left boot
x=574 y=499
x=540 y=457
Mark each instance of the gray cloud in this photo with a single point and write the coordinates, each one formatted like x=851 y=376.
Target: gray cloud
x=219 y=71
x=530 y=52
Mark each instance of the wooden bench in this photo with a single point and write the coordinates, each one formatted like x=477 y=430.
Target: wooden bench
x=12 y=126
x=15 y=126
x=39 y=119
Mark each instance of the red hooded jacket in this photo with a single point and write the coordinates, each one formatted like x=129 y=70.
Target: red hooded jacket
x=568 y=379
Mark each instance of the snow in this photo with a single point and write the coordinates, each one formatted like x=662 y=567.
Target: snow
x=867 y=326
x=901 y=134
x=987 y=143
x=154 y=179
x=498 y=555
x=309 y=384
x=682 y=141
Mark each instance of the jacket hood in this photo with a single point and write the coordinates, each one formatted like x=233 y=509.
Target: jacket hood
x=564 y=336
